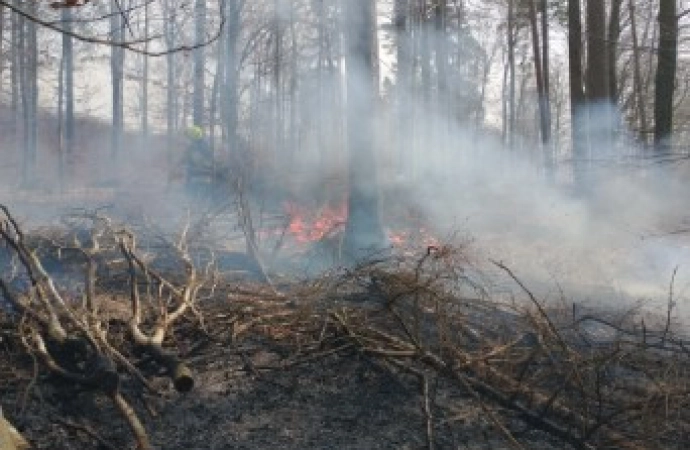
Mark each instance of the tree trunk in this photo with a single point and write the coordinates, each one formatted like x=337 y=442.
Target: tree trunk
x=363 y=231
x=577 y=94
x=597 y=60
x=215 y=99
x=169 y=30
x=614 y=32
x=538 y=72
x=68 y=61
x=15 y=68
x=278 y=116
x=512 y=37
x=665 y=82
x=145 y=81
x=232 y=28
x=637 y=76
x=60 y=123
x=24 y=97
x=597 y=82
x=29 y=93
x=117 y=57
x=199 y=66
x=32 y=42
x=2 y=40
x=403 y=136
x=545 y=110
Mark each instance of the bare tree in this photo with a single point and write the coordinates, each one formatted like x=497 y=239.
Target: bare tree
x=363 y=231
x=117 y=61
x=664 y=85
x=199 y=63
x=577 y=93
x=637 y=74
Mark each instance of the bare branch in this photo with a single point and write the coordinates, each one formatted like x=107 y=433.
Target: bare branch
x=130 y=45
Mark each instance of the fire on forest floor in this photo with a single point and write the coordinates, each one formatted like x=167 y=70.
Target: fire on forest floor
x=409 y=351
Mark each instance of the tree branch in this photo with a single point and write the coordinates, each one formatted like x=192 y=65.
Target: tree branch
x=127 y=45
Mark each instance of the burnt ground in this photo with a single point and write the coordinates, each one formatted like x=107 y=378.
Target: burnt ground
x=291 y=380
x=410 y=353
x=346 y=401
x=258 y=391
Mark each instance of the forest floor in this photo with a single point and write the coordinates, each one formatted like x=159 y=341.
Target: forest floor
x=380 y=357
x=263 y=391
x=411 y=351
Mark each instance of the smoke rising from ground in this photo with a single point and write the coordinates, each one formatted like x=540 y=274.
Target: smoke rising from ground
x=613 y=243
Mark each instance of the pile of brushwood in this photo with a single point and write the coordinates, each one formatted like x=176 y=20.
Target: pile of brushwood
x=88 y=313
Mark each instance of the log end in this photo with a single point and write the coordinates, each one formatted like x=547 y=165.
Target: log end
x=182 y=378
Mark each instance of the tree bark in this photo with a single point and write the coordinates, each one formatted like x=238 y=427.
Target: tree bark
x=232 y=27
x=15 y=68
x=403 y=135
x=538 y=71
x=169 y=30
x=363 y=230
x=614 y=31
x=546 y=95
x=512 y=31
x=145 y=81
x=597 y=81
x=597 y=60
x=117 y=57
x=664 y=85
x=577 y=94
x=637 y=76
x=199 y=63
x=68 y=57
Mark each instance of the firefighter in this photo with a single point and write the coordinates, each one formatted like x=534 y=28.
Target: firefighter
x=198 y=163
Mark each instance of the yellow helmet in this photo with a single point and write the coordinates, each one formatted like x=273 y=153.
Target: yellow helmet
x=195 y=132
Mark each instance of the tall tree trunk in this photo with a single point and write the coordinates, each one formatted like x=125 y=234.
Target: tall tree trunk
x=2 y=40
x=24 y=94
x=577 y=94
x=512 y=37
x=278 y=116
x=169 y=30
x=363 y=231
x=22 y=60
x=545 y=108
x=28 y=72
x=68 y=57
x=665 y=82
x=403 y=136
x=597 y=82
x=321 y=56
x=66 y=100
x=538 y=72
x=637 y=75
x=614 y=32
x=215 y=99
x=145 y=80
x=60 y=124
x=293 y=129
x=32 y=42
x=199 y=63
x=15 y=68
x=441 y=63
x=232 y=30
x=597 y=60
x=117 y=57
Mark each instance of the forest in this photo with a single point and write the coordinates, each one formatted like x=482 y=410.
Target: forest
x=357 y=224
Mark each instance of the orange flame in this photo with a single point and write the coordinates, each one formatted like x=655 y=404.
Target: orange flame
x=309 y=227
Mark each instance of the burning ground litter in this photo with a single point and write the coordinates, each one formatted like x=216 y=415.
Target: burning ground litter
x=407 y=351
